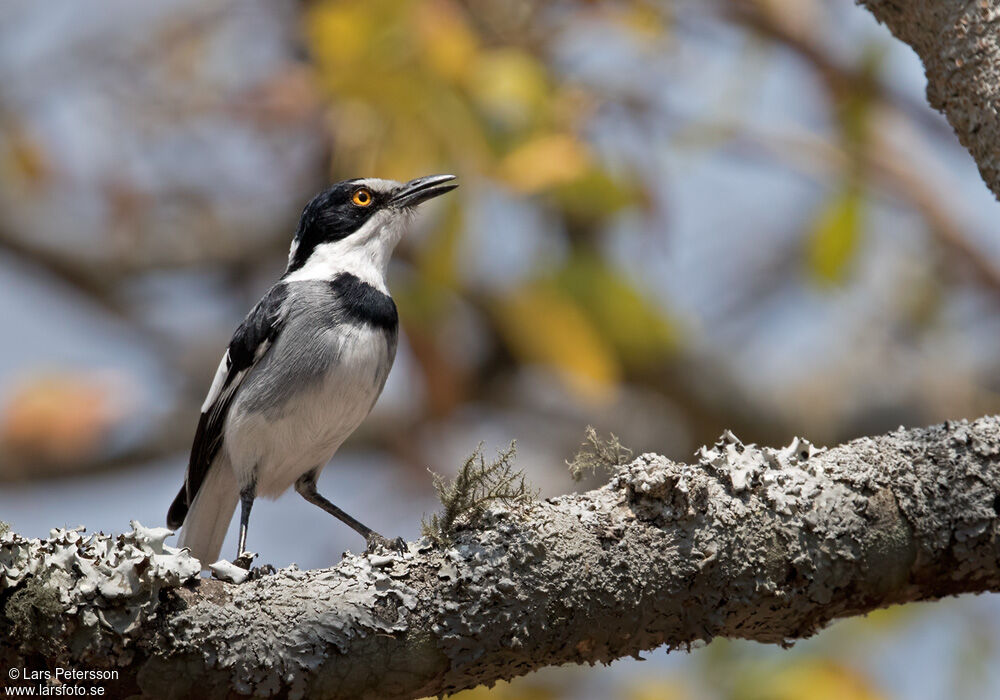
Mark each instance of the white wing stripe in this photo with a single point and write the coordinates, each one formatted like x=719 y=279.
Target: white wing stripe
x=217 y=383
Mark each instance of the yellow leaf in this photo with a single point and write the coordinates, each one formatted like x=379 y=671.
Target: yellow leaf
x=448 y=44
x=646 y=21
x=542 y=325
x=835 y=236
x=24 y=158
x=338 y=32
x=816 y=680
x=519 y=689
x=406 y=150
x=657 y=689
x=855 y=108
x=641 y=332
x=509 y=85
x=595 y=195
x=545 y=162
x=883 y=620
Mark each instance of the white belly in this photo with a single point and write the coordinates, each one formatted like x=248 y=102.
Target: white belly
x=278 y=445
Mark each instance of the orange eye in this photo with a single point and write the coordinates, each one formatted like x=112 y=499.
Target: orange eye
x=362 y=197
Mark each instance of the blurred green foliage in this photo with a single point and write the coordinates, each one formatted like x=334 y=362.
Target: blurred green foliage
x=812 y=679
x=418 y=87
x=835 y=236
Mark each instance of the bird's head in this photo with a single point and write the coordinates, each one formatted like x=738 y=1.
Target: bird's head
x=355 y=225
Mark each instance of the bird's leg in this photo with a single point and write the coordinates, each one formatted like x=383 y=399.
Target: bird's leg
x=306 y=485
x=247 y=496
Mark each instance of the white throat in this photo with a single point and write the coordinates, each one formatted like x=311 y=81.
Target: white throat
x=364 y=254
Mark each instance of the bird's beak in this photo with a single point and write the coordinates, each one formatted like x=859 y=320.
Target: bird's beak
x=423 y=188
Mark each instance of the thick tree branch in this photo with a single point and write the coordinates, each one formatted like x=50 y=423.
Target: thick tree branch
x=746 y=542
x=959 y=44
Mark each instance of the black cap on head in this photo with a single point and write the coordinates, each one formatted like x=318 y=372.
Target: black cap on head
x=344 y=208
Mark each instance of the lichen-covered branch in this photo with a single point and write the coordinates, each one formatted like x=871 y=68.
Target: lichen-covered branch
x=959 y=44
x=745 y=542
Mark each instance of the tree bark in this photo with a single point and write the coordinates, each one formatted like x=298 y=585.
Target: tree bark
x=959 y=44
x=745 y=542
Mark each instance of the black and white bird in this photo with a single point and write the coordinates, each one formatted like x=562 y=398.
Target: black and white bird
x=304 y=368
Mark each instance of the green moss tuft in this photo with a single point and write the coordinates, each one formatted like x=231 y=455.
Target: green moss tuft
x=478 y=484
x=32 y=606
x=598 y=454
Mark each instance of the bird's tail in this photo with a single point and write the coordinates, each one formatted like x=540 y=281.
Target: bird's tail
x=207 y=519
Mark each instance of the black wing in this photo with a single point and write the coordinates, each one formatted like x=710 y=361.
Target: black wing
x=249 y=343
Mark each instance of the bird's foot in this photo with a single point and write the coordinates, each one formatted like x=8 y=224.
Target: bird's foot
x=377 y=542
x=261 y=571
x=245 y=559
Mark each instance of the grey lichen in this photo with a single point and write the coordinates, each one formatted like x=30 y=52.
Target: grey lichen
x=227 y=571
x=82 y=566
x=598 y=454
x=786 y=477
x=276 y=634
x=745 y=466
x=76 y=587
x=476 y=487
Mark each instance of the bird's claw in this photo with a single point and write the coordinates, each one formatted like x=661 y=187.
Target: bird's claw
x=261 y=571
x=377 y=542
